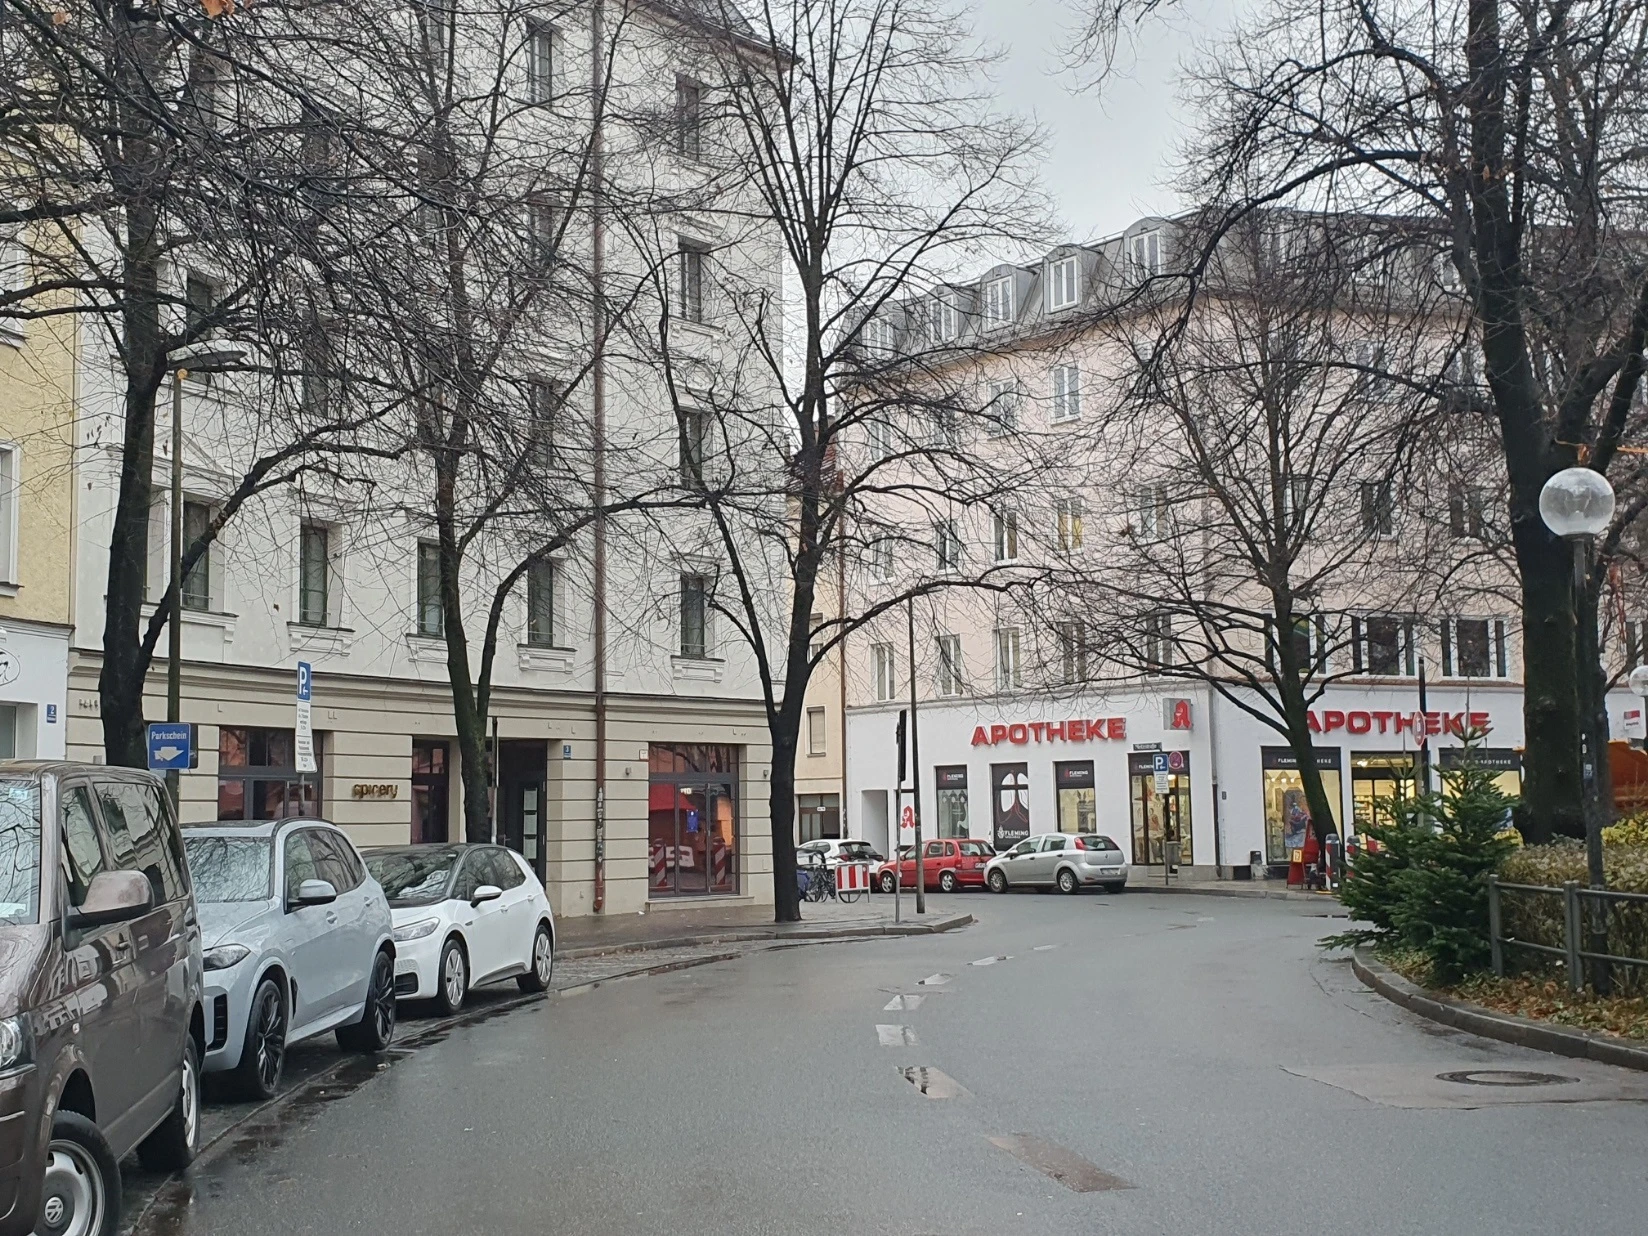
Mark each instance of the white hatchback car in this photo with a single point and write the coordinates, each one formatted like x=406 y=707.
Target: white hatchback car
x=464 y=915
x=1065 y=861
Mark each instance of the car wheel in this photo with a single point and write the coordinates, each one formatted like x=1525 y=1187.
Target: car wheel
x=263 y=1054
x=998 y=881
x=946 y=881
x=451 y=978
x=543 y=962
x=1068 y=882
x=172 y=1147
x=888 y=884
x=376 y=1027
x=81 y=1192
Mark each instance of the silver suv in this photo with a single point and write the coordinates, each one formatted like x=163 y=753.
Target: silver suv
x=1066 y=861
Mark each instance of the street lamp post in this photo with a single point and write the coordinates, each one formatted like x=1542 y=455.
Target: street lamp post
x=1578 y=504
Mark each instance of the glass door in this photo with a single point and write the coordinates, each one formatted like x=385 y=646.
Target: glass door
x=1160 y=806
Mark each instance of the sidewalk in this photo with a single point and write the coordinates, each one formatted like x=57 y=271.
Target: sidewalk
x=1149 y=880
x=597 y=934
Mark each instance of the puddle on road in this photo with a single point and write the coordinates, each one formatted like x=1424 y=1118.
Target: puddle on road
x=934 y=980
x=1061 y=1164
x=897 y=1036
x=903 y=1004
x=934 y=1083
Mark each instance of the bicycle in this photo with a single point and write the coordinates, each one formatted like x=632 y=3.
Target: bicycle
x=816 y=883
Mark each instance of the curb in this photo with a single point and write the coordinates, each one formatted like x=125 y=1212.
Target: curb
x=1462 y=1015
x=773 y=933
x=1280 y=894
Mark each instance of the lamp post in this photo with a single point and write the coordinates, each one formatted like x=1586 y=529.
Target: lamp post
x=1578 y=504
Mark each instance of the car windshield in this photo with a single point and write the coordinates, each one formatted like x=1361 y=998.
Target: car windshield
x=19 y=852
x=1094 y=841
x=414 y=877
x=978 y=849
x=855 y=849
x=231 y=868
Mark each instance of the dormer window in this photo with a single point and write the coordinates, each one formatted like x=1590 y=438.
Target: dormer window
x=1063 y=283
x=878 y=336
x=998 y=301
x=946 y=318
x=1146 y=253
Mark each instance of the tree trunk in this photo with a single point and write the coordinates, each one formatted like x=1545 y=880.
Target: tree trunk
x=781 y=808
x=1552 y=787
x=1324 y=815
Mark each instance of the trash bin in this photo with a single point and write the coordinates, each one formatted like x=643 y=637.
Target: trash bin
x=1170 y=856
x=1256 y=864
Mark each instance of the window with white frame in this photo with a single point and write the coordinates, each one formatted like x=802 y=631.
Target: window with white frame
x=1066 y=383
x=690 y=447
x=1063 y=283
x=1383 y=645
x=11 y=472
x=946 y=318
x=197 y=579
x=1069 y=512
x=947 y=544
x=1072 y=653
x=879 y=558
x=541 y=54
x=1378 y=509
x=1309 y=639
x=945 y=434
x=1145 y=254
x=879 y=434
x=689 y=117
x=1636 y=642
x=1002 y=406
x=437 y=18
x=1467 y=507
x=431 y=616
x=884 y=671
x=314 y=575
x=1005 y=530
x=998 y=301
x=1153 y=512
x=540 y=604
x=1296 y=491
x=1475 y=648
x=815 y=731
x=543 y=406
x=14 y=274
x=877 y=336
x=1009 y=666
x=691 y=259
x=695 y=614
x=1156 y=646
x=948 y=680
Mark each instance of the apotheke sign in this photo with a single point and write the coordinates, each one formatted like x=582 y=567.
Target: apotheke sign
x=1355 y=721
x=1101 y=729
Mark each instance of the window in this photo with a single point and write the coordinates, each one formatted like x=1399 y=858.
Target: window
x=83 y=852
x=998 y=301
x=301 y=862
x=543 y=399
x=1063 y=283
x=1474 y=648
x=881 y=558
x=690 y=289
x=1008 y=665
x=505 y=868
x=1069 y=524
x=199 y=299
x=815 y=731
x=1002 y=406
x=540 y=604
x=336 y=866
x=1310 y=643
x=143 y=838
x=695 y=615
x=543 y=225
x=946 y=318
x=880 y=436
x=947 y=545
x=1066 y=384
x=1466 y=506
x=1157 y=645
x=206 y=88
x=257 y=776
x=1145 y=253
x=314 y=571
x=1296 y=492
x=689 y=118
x=1382 y=645
x=1378 y=509
x=431 y=613
x=1636 y=642
x=10 y=500
x=197 y=580
x=1006 y=530
x=877 y=336
x=1072 y=653
x=1154 y=512
x=316 y=389
x=541 y=49
x=691 y=446
x=884 y=671
x=436 y=17
x=946 y=431
x=949 y=679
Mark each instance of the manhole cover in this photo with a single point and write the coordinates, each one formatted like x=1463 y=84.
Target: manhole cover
x=1505 y=1077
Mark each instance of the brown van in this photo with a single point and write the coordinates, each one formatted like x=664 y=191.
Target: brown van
x=101 y=1025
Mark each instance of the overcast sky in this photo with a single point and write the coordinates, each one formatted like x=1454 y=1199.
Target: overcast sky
x=1112 y=151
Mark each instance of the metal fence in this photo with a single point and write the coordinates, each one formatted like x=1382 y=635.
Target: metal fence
x=1590 y=918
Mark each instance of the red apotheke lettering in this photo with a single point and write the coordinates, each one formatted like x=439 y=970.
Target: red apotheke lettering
x=1418 y=724
x=1079 y=730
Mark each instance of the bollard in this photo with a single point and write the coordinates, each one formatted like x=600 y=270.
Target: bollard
x=1495 y=942
x=1570 y=934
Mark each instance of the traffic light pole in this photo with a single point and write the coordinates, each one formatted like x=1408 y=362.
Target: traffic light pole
x=915 y=764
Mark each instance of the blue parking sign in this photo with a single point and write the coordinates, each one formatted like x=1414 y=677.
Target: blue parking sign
x=171 y=745
x=306 y=681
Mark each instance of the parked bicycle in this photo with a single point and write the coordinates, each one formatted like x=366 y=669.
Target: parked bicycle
x=816 y=882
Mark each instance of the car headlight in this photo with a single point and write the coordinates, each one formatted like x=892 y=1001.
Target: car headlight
x=416 y=931
x=226 y=955
x=16 y=1044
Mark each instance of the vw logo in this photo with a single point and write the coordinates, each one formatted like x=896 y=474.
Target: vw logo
x=53 y=1211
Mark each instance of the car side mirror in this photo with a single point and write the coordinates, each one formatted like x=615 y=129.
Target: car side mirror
x=486 y=892
x=315 y=893
x=113 y=897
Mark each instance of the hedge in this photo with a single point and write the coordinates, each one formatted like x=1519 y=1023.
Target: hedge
x=1538 y=918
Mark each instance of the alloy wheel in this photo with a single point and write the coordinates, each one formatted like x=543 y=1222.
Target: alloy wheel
x=543 y=957
x=73 y=1199
x=383 y=998
x=271 y=1038
x=453 y=980
x=191 y=1101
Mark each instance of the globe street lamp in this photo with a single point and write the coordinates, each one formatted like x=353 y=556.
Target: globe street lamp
x=1578 y=505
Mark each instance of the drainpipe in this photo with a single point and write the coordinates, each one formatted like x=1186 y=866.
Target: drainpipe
x=841 y=661
x=598 y=399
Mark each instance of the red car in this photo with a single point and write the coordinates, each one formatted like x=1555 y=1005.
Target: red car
x=946 y=865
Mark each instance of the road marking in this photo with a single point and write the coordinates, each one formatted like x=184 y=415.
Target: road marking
x=904 y=1004
x=1065 y=1166
x=897 y=1036
x=990 y=961
x=934 y=980
x=934 y=1083
x=1045 y=948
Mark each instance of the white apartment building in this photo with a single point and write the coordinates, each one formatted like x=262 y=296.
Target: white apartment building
x=615 y=698
x=1023 y=729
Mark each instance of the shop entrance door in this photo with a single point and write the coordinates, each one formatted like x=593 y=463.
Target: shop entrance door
x=1073 y=782
x=692 y=820
x=1159 y=787
x=523 y=766
x=1376 y=778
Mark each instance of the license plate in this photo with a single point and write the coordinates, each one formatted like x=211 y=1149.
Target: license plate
x=1110 y=871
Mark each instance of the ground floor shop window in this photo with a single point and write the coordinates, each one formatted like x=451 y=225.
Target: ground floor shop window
x=1010 y=804
x=1159 y=787
x=1504 y=762
x=1376 y=779
x=950 y=800
x=818 y=816
x=1287 y=818
x=692 y=819
x=257 y=777
x=431 y=790
x=1078 y=810
x=8 y=731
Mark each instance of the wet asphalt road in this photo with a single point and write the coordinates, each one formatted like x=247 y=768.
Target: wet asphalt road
x=1123 y=1068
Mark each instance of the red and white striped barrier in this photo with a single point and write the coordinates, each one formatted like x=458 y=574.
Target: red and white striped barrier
x=852 y=878
x=660 y=866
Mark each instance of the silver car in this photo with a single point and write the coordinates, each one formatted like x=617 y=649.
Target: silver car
x=297 y=940
x=1066 y=861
